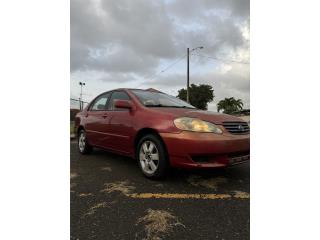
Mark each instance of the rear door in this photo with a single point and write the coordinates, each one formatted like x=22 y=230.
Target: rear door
x=120 y=124
x=97 y=120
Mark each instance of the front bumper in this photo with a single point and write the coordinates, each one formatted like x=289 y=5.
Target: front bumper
x=206 y=150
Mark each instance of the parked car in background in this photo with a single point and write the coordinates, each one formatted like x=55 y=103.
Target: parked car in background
x=160 y=131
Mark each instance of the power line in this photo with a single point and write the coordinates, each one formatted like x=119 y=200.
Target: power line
x=219 y=59
x=169 y=66
x=73 y=99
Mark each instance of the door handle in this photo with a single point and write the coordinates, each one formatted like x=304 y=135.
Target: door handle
x=105 y=116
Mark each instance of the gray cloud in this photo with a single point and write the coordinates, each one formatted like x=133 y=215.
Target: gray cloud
x=126 y=31
x=233 y=8
x=146 y=31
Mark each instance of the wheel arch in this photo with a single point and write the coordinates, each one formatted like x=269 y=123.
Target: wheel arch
x=144 y=131
x=79 y=129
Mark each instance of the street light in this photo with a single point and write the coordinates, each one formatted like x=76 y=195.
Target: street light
x=81 y=84
x=188 y=53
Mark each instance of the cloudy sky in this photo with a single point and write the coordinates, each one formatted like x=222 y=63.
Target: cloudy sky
x=127 y=43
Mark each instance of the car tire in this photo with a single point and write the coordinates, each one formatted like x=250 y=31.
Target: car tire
x=152 y=156
x=83 y=145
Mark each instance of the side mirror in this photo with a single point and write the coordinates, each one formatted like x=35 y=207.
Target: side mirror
x=126 y=104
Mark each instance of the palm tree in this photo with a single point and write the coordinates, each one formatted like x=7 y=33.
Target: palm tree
x=230 y=105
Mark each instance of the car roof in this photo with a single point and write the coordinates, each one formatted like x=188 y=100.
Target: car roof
x=147 y=90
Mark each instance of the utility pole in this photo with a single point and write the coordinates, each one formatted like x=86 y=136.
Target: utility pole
x=188 y=88
x=188 y=100
x=81 y=84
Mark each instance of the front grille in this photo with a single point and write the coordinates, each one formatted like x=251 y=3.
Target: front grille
x=236 y=127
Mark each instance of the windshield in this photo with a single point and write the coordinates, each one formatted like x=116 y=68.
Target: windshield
x=157 y=99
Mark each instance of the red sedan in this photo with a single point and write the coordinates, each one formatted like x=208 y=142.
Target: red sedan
x=160 y=130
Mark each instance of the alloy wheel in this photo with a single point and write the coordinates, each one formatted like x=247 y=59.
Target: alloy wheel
x=82 y=141
x=149 y=157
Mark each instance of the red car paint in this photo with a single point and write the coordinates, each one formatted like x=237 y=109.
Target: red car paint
x=118 y=131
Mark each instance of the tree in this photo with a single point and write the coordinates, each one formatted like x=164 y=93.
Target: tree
x=230 y=105
x=199 y=95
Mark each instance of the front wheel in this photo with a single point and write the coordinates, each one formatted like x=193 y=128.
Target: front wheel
x=152 y=156
x=83 y=145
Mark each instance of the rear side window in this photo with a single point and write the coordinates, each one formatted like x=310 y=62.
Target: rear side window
x=100 y=104
x=118 y=95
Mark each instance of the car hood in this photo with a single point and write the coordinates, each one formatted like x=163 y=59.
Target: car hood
x=208 y=116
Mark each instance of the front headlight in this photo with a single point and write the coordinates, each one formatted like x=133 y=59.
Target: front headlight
x=196 y=125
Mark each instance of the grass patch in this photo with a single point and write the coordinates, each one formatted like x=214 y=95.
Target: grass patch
x=108 y=169
x=211 y=183
x=122 y=187
x=85 y=194
x=73 y=175
x=158 y=223
x=93 y=209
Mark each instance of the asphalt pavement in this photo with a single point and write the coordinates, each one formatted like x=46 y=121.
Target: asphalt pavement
x=111 y=199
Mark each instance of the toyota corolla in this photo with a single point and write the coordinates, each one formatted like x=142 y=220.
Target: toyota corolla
x=160 y=131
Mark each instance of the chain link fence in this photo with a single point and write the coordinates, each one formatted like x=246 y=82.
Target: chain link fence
x=77 y=104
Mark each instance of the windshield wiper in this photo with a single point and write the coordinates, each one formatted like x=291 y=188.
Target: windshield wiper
x=184 y=107
x=161 y=105
x=155 y=105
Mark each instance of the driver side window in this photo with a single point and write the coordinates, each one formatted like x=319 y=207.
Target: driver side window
x=100 y=104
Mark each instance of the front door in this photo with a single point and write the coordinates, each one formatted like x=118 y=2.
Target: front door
x=120 y=124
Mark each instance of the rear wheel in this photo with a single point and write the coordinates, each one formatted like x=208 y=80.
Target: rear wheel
x=152 y=156
x=83 y=145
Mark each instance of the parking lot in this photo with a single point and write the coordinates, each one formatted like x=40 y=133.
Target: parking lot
x=110 y=199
